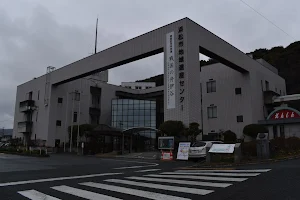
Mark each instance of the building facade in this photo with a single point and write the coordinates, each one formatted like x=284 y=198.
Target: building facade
x=224 y=96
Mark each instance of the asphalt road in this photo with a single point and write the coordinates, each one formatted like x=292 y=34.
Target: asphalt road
x=72 y=177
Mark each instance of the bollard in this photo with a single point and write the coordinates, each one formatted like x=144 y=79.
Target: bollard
x=237 y=152
x=208 y=155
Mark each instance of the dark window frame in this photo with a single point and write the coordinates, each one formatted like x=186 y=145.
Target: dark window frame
x=212 y=116
x=238 y=91
x=240 y=118
x=75 y=116
x=211 y=86
x=59 y=100
x=58 y=122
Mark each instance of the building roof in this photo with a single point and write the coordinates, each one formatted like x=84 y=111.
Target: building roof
x=293 y=97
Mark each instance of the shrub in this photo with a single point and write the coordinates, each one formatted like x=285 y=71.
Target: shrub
x=253 y=129
x=229 y=136
x=172 y=128
x=249 y=149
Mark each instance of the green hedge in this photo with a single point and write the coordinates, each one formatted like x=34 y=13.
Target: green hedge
x=16 y=151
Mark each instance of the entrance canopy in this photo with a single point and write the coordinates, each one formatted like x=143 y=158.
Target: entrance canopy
x=139 y=129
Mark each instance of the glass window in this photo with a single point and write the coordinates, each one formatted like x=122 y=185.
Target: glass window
x=114 y=124
x=212 y=112
x=267 y=85
x=147 y=123
x=136 y=112
x=136 y=106
x=153 y=117
x=130 y=118
x=124 y=118
x=211 y=86
x=147 y=106
x=125 y=107
x=198 y=144
x=147 y=118
x=239 y=118
x=141 y=118
x=114 y=107
x=142 y=112
x=130 y=124
x=142 y=105
x=119 y=118
x=136 y=101
x=114 y=101
x=136 y=118
x=153 y=124
x=120 y=106
x=130 y=106
x=147 y=112
x=130 y=112
x=125 y=101
x=136 y=124
x=153 y=112
x=238 y=90
x=130 y=101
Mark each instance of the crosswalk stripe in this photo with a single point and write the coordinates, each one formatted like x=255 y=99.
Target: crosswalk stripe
x=199 y=177
x=162 y=187
x=135 y=192
x=83 y=193
x=56 y=179
x=229 y=170
x=184 y=182
x=36 y=195
x=148 y=170
x=213 y=174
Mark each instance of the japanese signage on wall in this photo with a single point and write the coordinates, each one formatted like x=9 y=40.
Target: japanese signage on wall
x=284 y=114
x=181 y=66
x=170 y=58
x=183 y=151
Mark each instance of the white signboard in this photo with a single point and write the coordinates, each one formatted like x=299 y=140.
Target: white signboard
x=166 y=156
x=183 y=151
x=170 y=61
x=222 y=148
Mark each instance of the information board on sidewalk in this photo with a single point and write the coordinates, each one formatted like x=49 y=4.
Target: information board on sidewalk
x=183 y=151
x=222 y=148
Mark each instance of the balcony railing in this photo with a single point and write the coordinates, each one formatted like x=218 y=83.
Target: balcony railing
x=25 y=127
x=26 y=106
x=94 y=111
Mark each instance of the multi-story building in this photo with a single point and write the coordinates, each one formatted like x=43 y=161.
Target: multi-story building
x=222 y=96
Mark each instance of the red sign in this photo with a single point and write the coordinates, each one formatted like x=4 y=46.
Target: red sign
x=284 y=114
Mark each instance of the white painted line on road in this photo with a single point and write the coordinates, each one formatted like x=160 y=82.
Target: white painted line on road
x=162 y=187
x=134 y=192
x=210 y=178
x=139 y=166
x=56 y=179
x=148 y=170
x=214 y=174
x=36 y=195
x=229 y=170
x=183 y=182
x=83 y=193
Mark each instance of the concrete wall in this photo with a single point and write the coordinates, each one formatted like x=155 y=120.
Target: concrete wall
x=229 y=105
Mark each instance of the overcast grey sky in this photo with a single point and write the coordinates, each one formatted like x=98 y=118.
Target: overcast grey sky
x=35 y=34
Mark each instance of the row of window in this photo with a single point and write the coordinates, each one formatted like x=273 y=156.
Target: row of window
x=212 y=113
x=211 y=86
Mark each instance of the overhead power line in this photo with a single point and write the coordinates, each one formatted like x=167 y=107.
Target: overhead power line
x=267 y=19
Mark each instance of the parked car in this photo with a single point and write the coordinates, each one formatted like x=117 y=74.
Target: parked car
x=198 y=148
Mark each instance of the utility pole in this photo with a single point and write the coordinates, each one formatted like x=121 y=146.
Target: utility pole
x=96 y=36
x=79 y=115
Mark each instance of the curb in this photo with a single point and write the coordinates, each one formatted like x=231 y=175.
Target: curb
x=245 y=164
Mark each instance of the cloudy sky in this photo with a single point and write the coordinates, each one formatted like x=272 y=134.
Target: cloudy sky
x=35 y=34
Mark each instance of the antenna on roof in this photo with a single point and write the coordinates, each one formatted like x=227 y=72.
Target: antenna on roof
x=96 y=36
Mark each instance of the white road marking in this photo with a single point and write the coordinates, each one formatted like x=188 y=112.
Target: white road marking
x=56 y=179
x=183 y=182
x=139 y=166
x=229 y=170
x=83 y=193
x=162 y=187
x=36 y=195
x=148 y=170
x=210 y=178
x=214 y=174
x=134 y=192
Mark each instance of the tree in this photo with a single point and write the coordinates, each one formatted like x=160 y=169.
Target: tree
x=229 y=136
x=253 y=129
x=172 y=128
x=192 y=131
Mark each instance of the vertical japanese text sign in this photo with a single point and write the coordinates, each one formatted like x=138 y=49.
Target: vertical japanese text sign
x=170 y=58
x=181 y=65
